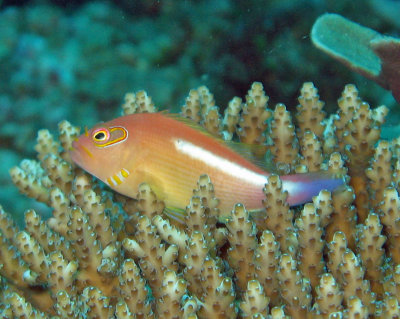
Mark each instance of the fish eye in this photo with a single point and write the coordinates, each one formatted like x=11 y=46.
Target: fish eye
x=101 y=135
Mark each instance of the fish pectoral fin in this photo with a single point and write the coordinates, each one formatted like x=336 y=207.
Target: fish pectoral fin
x=156 y=185
x=175 y=213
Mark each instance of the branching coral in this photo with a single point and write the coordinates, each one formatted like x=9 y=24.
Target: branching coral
x=103 y=255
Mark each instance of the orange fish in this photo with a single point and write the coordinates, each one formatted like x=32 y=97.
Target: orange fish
x=170 y=153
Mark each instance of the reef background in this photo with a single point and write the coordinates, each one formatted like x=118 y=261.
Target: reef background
x=75 y=60
x=103 y=255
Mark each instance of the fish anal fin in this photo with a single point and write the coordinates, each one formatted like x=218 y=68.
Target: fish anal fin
x=175 y=213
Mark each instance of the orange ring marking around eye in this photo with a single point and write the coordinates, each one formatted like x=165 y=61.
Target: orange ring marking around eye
x=117 y=140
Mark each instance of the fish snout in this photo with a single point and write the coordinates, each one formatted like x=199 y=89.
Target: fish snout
x=80 y=153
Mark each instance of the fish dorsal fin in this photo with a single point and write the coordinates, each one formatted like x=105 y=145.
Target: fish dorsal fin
x=189 y=122
x=247 y=151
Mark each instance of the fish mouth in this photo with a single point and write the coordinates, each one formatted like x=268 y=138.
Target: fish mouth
x=79 y=153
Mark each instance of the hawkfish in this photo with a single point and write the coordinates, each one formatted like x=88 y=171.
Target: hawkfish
x=170 y=153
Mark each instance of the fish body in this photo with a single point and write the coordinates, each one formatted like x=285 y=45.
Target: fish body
x=170 y=154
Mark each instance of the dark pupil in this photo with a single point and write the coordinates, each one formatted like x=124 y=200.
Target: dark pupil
x=99 y=136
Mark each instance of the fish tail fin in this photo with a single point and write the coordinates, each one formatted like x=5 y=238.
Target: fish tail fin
x=303 y=187
x=175 y=213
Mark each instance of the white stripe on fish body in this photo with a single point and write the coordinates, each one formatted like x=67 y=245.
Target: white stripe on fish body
x=229 y=167
x=220 y=163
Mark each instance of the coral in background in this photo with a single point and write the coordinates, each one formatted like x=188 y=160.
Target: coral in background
x=103 y=255
x=362 y=49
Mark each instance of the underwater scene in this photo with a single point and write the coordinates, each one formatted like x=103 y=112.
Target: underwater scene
x=200 y=159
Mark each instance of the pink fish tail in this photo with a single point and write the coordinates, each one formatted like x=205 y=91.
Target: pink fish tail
x=303 y=187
